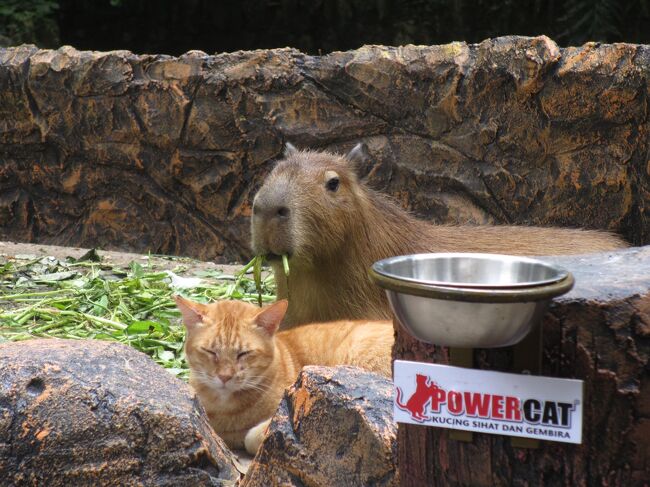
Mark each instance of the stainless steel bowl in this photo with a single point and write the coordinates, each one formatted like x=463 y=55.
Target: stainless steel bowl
x=472 y=314
x=471 y=270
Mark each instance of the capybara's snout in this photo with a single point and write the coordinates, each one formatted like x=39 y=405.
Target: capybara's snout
x=271 y=222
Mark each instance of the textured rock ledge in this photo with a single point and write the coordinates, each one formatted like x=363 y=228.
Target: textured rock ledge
x=145 y=152
x=100 y=413
x=334 y=427
x=599 y=333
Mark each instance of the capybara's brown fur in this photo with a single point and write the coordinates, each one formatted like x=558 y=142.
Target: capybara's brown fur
x=313 y=208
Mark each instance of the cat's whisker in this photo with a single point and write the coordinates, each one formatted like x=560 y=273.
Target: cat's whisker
x=254 y=386
x=256 y=380
x=201 y=375
x=248 y=383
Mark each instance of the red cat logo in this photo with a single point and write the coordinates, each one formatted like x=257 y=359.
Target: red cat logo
x=425 y=392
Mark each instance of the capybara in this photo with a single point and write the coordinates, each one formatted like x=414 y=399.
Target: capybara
x=313 y=208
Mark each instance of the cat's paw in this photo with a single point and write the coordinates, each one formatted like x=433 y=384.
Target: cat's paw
x=255 y=435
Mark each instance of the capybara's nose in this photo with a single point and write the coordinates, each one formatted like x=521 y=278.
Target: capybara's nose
x=275 y=212
x=264 y=208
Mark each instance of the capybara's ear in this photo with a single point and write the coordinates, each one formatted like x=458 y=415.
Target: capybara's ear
x=359 y=154
x=192 y=312
x=289 y=149
x=271 y=316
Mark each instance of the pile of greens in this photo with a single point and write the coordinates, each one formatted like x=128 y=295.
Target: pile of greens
x=87 y=298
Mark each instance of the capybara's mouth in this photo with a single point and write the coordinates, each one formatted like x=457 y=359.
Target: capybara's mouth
x=271 y=257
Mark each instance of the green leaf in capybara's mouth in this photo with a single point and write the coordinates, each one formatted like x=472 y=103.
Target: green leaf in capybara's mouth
x=285 y=264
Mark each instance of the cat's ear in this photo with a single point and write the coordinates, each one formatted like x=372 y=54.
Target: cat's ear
x=289 y=149
x=192 y=312
x=358 y=155
x=271 y=316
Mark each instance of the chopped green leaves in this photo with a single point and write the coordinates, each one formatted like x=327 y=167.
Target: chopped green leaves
x=46 y=297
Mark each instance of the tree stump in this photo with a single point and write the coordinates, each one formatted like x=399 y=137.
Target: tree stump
x=599 y=333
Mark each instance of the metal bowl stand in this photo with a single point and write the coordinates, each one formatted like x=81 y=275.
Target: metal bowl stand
x=527 y=360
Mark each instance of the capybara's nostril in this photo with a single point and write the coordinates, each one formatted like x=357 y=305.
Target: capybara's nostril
x=283 y=212
x=36 y=386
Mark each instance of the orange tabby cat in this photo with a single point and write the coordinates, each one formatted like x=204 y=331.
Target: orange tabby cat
x=240 y=367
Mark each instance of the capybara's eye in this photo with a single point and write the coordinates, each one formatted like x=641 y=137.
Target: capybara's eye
x=332 y=184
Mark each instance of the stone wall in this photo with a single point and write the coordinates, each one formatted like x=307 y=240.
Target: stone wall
x=148 y=152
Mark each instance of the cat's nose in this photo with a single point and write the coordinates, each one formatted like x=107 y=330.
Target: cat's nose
x=224 y=377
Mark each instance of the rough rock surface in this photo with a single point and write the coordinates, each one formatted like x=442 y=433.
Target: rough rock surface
x=600 y=333
x=334 y=427
x=101 y=413
x=149 y=152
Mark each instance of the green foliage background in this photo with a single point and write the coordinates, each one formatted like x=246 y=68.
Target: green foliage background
x=172 y=26
x=29 y=21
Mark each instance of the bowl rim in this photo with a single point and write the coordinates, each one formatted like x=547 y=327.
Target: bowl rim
x=561 y=272
x=474 y=295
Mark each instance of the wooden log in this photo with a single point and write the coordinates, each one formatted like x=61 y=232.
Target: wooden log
x=599 y=333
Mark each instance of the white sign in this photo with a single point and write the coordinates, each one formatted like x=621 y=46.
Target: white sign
x=488 y=402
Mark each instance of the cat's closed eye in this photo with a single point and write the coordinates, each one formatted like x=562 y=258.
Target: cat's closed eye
x=241 y=355
x=210 y=352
